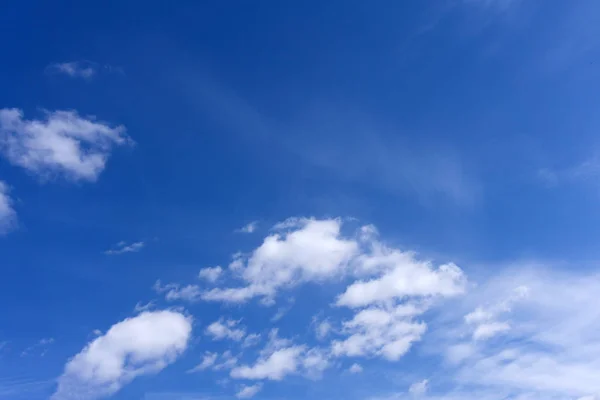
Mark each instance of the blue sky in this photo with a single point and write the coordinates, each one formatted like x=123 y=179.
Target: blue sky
x=309 y=200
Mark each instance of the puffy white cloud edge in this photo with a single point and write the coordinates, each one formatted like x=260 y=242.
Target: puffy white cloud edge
x=63 y=143
x=144 y=344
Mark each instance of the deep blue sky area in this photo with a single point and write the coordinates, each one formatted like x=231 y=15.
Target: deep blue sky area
x=145 y=141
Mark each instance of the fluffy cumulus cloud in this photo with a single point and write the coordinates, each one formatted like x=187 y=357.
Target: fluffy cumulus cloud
x=310 y=250
x=141 y=345
x=8 y=216
x=62 y=143
x=388 y=292
x=305 y=250
x=525 y=334
x=405 y=278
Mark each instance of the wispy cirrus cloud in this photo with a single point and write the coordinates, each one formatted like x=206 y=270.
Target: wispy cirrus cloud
x=23 y=387
x=547 y=349
x=349 y=146
x=40 y=347
x=208 y=360
x=174 y=291
x=8 y=215
x=74 y=69
x=123 y=247
x=81 y=69
x=248 y=228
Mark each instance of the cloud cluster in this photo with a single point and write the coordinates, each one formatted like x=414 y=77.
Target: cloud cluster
x=391 y=287
x=526 y=334
x=63 y=143
x=141 y=345
x=311 y=250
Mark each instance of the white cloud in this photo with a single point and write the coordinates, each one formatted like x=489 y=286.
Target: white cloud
x=210 y=274
x=280 y=358
x=123 y=247
x=283 y=310
x=248 y=228
x=251 y=340
x=8 y=216
x=405 y=277
x=419 y=388
x=457 y=353
x=247 y=392
x=227 y=361
x=322 y=329
x=274 y=367
x=141 y=307
x=136 y=346
x=393 y=287
x=490 y=329
x=355 y=369
x=63 y=143
x=384 y=332
x=313 y=251
x=314 y=362
x=208 y=361
x=552 y=350
x=303 y=250
x=74 y=69
x=174 y=292
x=484 y=319
x=225 y=329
